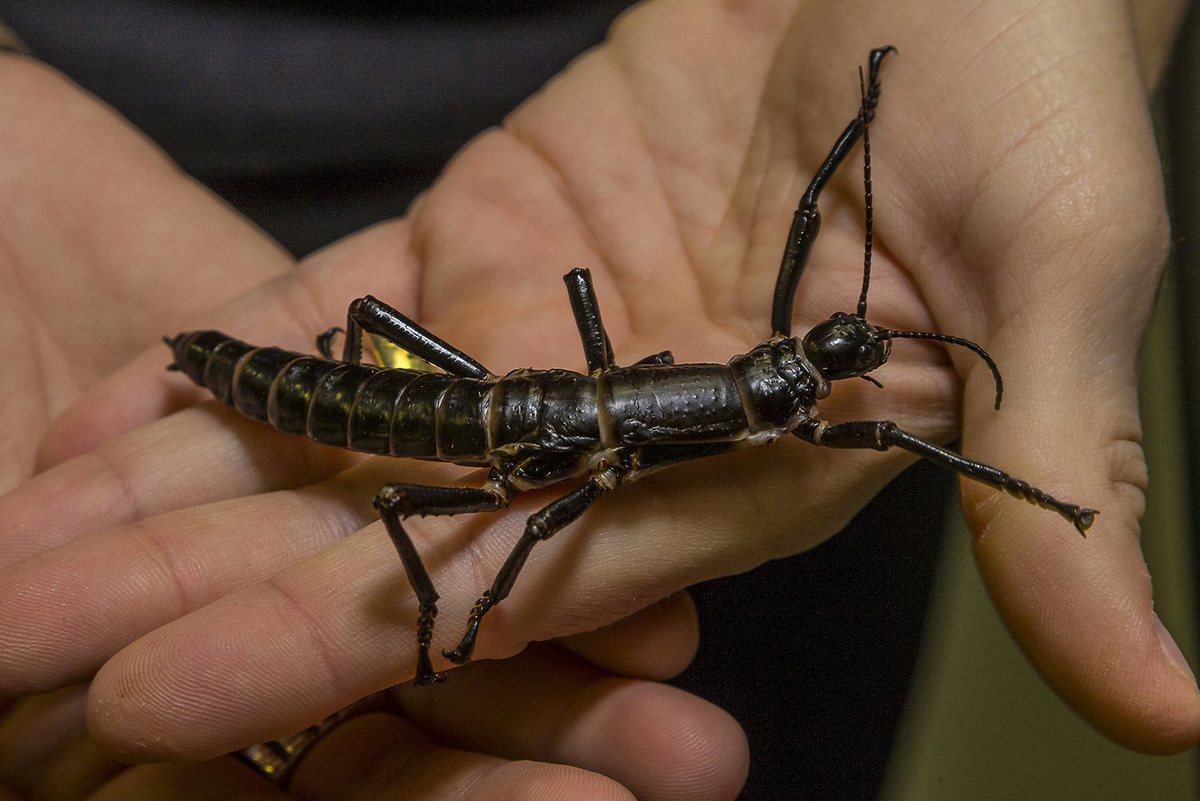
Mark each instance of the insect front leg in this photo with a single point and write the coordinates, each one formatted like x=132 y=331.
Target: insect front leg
x=882 y=435
x=807 y=220
x=397 y=501
x=541 y=526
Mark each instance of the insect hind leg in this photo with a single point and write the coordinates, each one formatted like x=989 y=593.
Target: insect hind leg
x=373 y=316
x=397 y=501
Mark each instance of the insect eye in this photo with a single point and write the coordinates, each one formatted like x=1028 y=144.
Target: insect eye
x=866 y=354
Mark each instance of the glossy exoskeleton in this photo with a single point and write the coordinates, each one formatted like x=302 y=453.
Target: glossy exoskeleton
x=608 y=426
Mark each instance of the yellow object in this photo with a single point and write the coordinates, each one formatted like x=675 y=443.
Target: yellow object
x=391 y=355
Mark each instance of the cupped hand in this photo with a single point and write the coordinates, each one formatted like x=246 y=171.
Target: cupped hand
x=107 y=246
x=219 y=575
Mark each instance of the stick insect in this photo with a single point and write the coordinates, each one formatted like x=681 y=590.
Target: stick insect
x=602 y=428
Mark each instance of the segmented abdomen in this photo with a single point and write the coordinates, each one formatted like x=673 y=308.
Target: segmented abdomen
x=357 y=406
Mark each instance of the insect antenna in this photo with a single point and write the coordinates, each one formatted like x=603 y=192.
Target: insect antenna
x=868 y=203
x=885 y=333
x=867 y=196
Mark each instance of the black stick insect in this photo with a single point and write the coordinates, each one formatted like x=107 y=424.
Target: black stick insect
x=608 y=426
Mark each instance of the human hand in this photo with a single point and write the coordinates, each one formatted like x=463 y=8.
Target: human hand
x=664 y=161
x=543 y=723
x=106 y=246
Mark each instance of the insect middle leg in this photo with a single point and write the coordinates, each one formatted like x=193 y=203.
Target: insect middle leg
x=597 y=349
x=542 y=525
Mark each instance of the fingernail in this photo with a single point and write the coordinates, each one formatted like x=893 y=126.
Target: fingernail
x=1171 y=649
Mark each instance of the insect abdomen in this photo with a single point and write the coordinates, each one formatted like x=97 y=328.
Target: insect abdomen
x=438 y=416
x=406 y=413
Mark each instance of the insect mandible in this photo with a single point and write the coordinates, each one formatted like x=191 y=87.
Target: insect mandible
x=608 y=426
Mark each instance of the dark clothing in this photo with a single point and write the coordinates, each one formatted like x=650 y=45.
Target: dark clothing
x=314 y=122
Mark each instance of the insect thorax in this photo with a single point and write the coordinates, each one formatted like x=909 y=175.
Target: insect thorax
x=779 y=386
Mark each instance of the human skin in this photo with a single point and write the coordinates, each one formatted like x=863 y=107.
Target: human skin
x=226 y=584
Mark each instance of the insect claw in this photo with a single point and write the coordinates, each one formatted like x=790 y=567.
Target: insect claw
x=171 y=344
x=430 y=680
x=426 y=676
x=456 y=656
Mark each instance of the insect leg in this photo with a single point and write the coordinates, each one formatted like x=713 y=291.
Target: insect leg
x=376 y=317
x=396 y=501
x=542 y=525
x=325 y=341
x=662 y=357
x=596 y=347
x=807 y=220
x=884 y=434
x=597 y=350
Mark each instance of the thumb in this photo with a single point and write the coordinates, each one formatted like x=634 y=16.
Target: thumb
x=1081 y=608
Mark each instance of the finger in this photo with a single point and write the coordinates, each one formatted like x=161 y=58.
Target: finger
x=123 y=582
x=45 y=752
x=100 y=208
x=76 y=771
x=384 y=757
x=1041 y=217
x=286 y=312
x=658 y=642
x=121 y=213
x=1083 y=608
x=221 y=779
x=34 y=730
x=656 y=740
x=269 y=659
x=196 y=456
